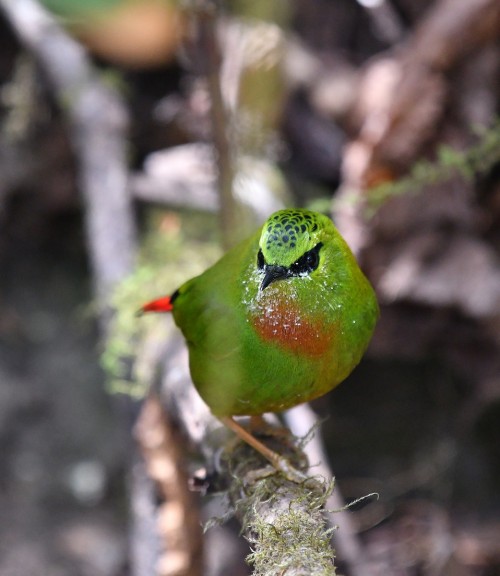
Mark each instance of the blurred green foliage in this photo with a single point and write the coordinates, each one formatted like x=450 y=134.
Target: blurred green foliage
x=77 y=9
x=176 y=247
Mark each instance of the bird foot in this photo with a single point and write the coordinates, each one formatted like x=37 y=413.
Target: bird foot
x=290 y=472
x=279 y=463
x=287 y=470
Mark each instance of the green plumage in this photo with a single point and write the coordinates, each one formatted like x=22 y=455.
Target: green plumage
x=281 y=319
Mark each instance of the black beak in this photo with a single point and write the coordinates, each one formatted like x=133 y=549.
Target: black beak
x=272 y=273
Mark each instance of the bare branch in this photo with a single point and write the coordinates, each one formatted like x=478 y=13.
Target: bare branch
x=98 y=122
x=402 y=98
x=177 y=516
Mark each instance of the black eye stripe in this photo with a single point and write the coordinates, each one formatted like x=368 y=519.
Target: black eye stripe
x=307 y=262
x=260 y=260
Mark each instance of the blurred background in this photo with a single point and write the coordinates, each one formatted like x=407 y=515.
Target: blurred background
x=190 y=122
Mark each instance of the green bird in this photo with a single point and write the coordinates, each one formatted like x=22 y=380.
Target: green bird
x=280 y=319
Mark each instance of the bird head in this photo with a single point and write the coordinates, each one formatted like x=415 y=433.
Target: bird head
x=290 y=244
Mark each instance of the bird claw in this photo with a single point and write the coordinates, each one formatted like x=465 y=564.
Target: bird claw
x=290 y=472
x=254 y=476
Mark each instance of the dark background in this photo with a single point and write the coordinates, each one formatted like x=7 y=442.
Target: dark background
x=418 y=421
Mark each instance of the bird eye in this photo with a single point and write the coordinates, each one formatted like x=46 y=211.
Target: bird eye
x=311 y=260
x=260 y=260
x=308 y=262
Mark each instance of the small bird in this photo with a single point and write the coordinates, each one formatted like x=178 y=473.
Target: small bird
x=280 y=319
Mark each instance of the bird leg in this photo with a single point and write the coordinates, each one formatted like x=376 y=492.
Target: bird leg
x=279 y=462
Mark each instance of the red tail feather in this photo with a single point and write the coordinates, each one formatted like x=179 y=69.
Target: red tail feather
x=159 y=305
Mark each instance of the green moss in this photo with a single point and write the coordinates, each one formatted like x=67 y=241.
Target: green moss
x=467 y=164
x=283 y=521
x=292 y=537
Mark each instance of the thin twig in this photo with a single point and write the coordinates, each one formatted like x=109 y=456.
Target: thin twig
x=206 y=15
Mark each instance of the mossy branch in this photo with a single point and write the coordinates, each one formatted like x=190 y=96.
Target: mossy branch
x=467 y=164
x=282 y=520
